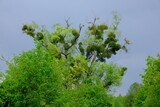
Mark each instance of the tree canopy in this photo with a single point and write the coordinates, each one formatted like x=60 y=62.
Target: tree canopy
x=92 y=49
x=148 y=95
x=65 y=68
x=131 y=94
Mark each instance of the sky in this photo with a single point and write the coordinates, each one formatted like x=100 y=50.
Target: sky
x=140 y=23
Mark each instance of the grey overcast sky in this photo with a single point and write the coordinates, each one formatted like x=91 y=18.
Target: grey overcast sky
x=140 y=23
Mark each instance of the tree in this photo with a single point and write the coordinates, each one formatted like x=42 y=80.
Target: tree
x=31 y=79
x=99 y=44
x=119 y=101
x=129 y=99
x=148 y=94
x=64 y=69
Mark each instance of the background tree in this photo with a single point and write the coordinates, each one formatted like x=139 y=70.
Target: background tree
x=148 y=95
x=129 y=98
x=119 y=101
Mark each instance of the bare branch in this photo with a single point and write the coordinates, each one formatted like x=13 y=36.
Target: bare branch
x=80 y=27
x=67 y=22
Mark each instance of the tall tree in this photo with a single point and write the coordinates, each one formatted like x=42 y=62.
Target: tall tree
x=119 y=101
x=148 y=95
x=66 y=68
x=129 y=99
x=99 y=43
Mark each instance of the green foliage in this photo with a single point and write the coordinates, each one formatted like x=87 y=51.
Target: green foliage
x=148 y=95
x=89 y=95
x=109 y=74
x=132 y=92
x=31 y=80
x=64 y=69
x=119 y=101
x=36 y=78
x=103 y=44
x=96 y=46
